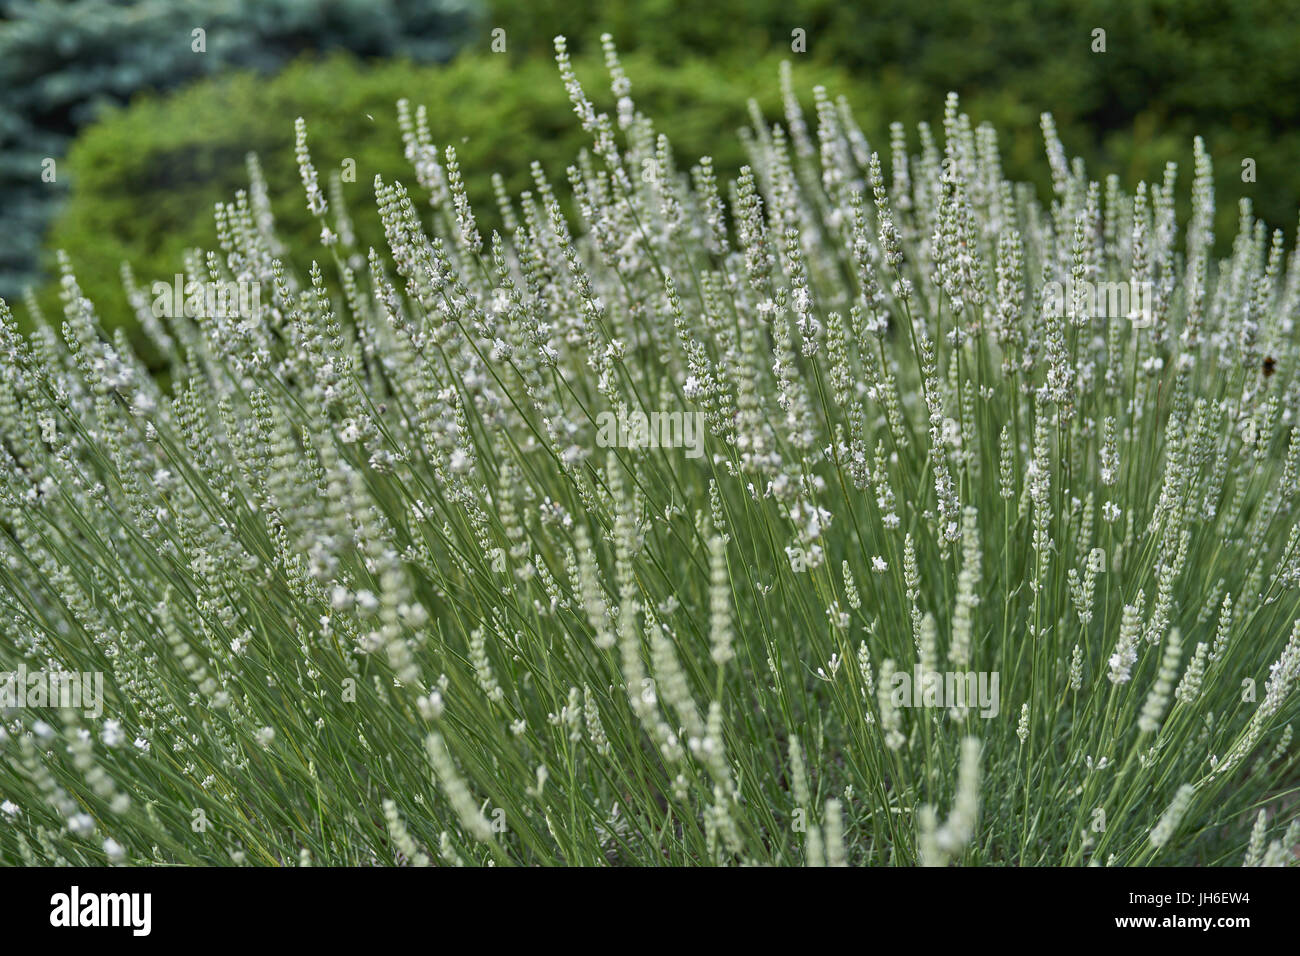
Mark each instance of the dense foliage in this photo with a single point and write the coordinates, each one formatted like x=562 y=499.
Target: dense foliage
x=369 y=540
x=145 y=178
x=1222 y=69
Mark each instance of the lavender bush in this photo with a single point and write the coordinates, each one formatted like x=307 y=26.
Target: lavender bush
x=990 y=555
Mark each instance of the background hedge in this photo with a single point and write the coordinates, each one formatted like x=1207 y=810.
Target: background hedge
x=144 y=178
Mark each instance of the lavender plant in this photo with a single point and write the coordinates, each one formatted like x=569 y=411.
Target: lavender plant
x=972 y=570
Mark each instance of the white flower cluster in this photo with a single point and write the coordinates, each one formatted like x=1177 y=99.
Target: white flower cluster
x=364 y=537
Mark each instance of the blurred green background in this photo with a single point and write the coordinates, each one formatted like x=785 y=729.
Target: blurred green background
x=65 y=63
x=144 y=157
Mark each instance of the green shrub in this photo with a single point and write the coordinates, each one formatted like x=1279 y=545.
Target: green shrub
x=144 y=180
x=146 y=177
x=1226 y=70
